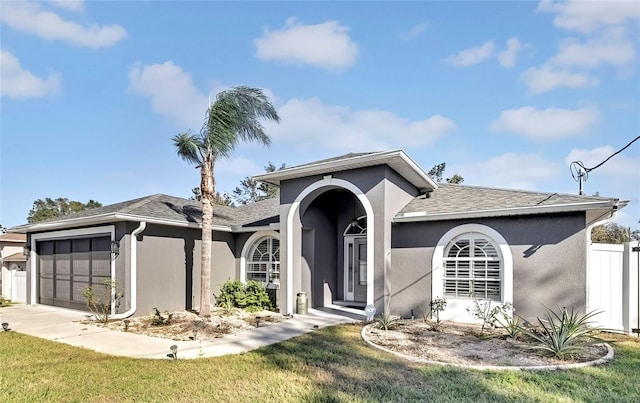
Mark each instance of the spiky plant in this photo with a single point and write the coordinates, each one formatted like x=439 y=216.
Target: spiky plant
x=565 y=333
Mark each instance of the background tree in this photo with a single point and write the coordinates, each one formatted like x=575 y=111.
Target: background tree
x=221 y=199
x=251 y=191
x=3 y=229
x=235 y=115
x=437 y=172
x=613 y=233
x=52 y=208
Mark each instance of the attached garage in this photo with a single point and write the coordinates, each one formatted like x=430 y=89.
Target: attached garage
x=66 y=266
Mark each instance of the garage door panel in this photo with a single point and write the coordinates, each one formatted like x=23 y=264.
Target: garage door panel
x=46 y=287
x=68 y=266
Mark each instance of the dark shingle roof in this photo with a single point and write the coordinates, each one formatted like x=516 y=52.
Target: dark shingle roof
x=176 y=210
x=449 y=199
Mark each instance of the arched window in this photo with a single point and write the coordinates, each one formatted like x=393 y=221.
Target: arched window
x=263 y=260
x=472 y=267
x=471 y=260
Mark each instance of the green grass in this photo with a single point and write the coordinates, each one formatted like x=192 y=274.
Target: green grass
x=329 y=365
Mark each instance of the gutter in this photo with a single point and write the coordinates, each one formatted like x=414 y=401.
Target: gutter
x=109 y=218
x=558 y=208
x=134 y=274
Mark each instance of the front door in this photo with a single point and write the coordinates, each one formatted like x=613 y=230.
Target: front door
x=355 y=268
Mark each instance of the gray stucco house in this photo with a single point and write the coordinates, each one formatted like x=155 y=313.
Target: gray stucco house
x=370 y=228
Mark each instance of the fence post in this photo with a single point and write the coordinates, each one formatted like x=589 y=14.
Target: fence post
x=631 y=289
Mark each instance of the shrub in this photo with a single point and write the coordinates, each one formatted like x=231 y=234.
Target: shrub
x=482 y=310
x=511 y=323
x=99 y=297
x=432 y=315
x=386 y=321
x=566 y=333
x=251 y=296
x=159 y=320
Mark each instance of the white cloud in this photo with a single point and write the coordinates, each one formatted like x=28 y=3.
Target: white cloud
x=510 y=171
x=621 y=165
x=589 y=16
x=28 y=17
x=326 y=45
x=546 y=78
x=547 y=124
x=507 y=58
x=310 y=123
x=70 y=5
x=172 y=92
x=18 y=83
x=612 y=47
x=469 y=57
x=414 y=31
x=607 y=32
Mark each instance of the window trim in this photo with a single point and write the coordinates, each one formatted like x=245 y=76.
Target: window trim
x=456 y=306
x=248 y=247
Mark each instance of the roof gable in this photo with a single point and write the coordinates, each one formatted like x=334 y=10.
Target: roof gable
x=396 y=159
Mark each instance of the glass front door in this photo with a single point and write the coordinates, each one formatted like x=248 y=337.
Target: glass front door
x=355 y=269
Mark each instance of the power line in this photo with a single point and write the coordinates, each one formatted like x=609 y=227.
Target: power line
x=580 y=173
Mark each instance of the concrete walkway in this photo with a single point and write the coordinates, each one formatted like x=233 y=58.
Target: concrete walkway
x=63 y=325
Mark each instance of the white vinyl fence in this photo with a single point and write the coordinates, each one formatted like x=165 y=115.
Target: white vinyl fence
x=612 y=285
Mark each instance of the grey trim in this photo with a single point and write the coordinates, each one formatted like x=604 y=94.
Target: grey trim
x=396 y=159
x=563 y=208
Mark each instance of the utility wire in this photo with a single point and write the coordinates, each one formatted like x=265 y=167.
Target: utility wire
x=581 y=173
x=612 y=155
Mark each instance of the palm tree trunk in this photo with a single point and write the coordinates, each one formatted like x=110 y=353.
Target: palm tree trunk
x=207 y=189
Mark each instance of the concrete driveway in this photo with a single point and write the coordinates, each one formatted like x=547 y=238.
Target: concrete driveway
x=63 y=325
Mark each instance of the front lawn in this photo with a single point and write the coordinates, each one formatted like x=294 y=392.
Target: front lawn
x=329 y=365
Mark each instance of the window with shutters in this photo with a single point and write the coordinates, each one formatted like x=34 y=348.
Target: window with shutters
x=472 y=267
x=263 y=260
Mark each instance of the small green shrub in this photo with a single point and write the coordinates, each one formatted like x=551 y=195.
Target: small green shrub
x=99 y=297
x=5 y=302
x=431 y=315
x=159 y=320
x=564 y=334
x=251 y=296
x=482 y=310
x=513 y=324
x=386 y=321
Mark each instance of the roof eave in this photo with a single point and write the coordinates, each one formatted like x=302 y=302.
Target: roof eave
x=559 y=208
x=420 y=180
x=107 y=218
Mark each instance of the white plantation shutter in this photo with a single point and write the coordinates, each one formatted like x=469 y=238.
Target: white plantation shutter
x=472 y=267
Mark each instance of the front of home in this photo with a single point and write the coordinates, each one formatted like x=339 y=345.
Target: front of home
x=357 y=230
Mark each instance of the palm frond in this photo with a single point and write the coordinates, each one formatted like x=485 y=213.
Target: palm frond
x=188 y=147
x=236 y=115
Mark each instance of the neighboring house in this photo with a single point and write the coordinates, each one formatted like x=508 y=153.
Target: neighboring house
x=359 y=229
x=13 y=282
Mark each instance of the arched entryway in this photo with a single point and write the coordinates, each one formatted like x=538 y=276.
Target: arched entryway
x=317 y=250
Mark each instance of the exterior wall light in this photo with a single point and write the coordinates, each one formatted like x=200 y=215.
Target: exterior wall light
x=115 y=248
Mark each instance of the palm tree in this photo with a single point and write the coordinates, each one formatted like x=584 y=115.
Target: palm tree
x=235 y=115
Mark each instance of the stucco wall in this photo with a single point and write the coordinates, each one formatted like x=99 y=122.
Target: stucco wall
x=549 y=261
x=169 y=267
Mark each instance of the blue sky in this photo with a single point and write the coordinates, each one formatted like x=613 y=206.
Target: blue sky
x=506 y=93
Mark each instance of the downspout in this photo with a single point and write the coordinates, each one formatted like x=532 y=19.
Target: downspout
x=133 y=273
